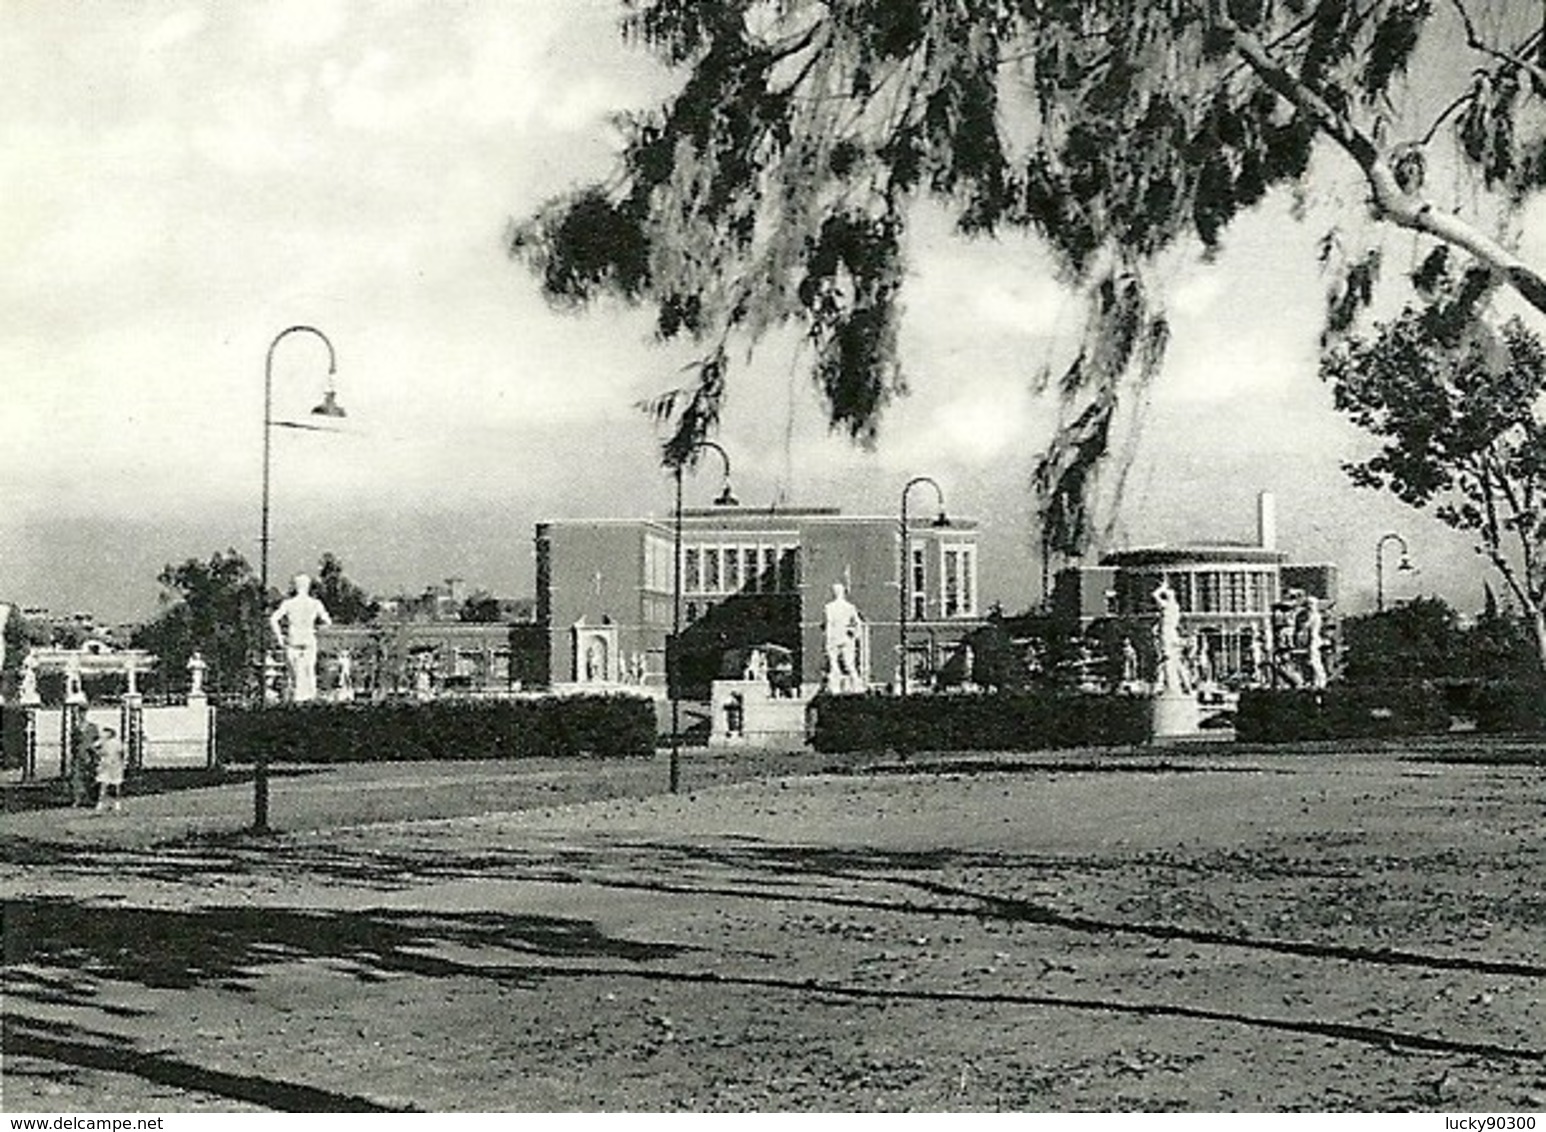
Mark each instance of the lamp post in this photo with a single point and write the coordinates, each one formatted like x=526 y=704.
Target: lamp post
x=726 y=498
x=1405 y=566
x=904 y=591
x=328 y=407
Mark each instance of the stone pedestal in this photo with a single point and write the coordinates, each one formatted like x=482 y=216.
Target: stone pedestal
x=746 y=712
x=1173 y=715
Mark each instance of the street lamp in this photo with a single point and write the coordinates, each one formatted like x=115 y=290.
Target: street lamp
x=905 y=589
x=725 y=498
x=328 y=407
x=1405 y=566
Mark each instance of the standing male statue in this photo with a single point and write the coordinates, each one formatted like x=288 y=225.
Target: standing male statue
x=1172 y=671
x=295 y=624
x=1315 y=641
x=841 y=638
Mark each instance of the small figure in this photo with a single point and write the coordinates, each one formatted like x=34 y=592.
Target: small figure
x=1258 y=660
x=110 y=770
x=1203 y=660
x=28 y=694
x=74 y=693
x=196 y=667
x=841 y=638
x=756 y=666
x=83 y=763
x=1129 y=663
x=421 y=679
x=344 y=693
x=295 y=624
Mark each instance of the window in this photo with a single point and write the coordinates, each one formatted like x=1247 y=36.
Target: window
x=959 y=574
x=711 y=575
x=770 y=568
x=1208 y=592
x=692 y=570
x=1235 y=593
x=917 y=593
x=732 y=569
x=789 y=568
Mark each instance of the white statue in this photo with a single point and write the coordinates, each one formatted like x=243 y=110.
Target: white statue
x=344 y=693
x=1315 y=640
x=1172 y=670
x=841 y=638
x=196 y=667
x=28 y=693
x=756 y=666
x=1203 y=661
x=131 y=685
x=74 y=693
x=1129 y=662
x=1258 y=659
x=295 y=624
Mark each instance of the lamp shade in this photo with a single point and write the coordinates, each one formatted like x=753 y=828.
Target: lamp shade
x=330 y=406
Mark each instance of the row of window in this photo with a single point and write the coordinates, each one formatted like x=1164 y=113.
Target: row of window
x=958 y=589
x=1202 y=591
x=740 y=568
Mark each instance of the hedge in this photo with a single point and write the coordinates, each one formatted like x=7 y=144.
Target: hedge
x=1000 y=721
x=1340 y=712
x=554 y=727
x=1499 y=707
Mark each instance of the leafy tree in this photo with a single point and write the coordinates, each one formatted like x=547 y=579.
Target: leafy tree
x=1416 y=640
x=1453 y=403
x=777 y=186
x=480 y=607
x=216 y=608
x=346 y=602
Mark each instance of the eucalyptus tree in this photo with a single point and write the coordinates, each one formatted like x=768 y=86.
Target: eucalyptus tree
x=776 y=186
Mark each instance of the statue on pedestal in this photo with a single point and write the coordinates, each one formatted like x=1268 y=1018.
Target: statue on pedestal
x=841 y=640
x=196 y=667
x=295 y=624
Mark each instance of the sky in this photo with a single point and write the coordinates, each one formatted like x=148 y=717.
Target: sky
x=182 y=182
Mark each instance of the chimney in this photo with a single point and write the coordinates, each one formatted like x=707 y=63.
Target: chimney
x=1267 y=520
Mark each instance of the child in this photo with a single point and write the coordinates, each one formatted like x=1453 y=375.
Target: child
x=110 y=768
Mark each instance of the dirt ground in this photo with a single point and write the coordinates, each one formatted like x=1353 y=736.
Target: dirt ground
x=1204 y=931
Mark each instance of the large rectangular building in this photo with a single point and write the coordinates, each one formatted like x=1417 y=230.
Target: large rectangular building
x=751 y=577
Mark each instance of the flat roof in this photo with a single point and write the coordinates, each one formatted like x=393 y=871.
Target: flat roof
x=1202 y=554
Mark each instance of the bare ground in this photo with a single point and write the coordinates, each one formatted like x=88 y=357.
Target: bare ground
x=1323 y=931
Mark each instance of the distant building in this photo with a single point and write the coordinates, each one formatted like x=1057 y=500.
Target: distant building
x=750 y=577
x=1231 y=596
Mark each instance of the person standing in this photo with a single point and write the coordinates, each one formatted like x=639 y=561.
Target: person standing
x=83 y=765
x=110 y=770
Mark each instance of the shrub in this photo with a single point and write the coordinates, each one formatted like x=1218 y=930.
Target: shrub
x=448 y=729
x=1501 y=707
x=1341 y=712
x=1002 y=721
x=13 y=737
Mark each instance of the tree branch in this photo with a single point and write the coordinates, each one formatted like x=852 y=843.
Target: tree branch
x=1390 y=201
x=1476 y=43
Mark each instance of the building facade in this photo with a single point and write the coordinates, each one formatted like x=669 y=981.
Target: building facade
x=1240 y=603
x=751 y=578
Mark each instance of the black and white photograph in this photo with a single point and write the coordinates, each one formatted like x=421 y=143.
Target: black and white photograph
x=773 y=557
